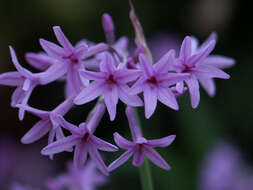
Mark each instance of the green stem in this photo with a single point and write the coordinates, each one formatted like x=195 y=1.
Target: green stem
x=145 y=173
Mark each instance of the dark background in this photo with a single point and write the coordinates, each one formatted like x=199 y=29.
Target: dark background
x=226 y=116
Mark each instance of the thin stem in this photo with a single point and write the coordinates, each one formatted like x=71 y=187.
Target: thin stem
x=145 y=172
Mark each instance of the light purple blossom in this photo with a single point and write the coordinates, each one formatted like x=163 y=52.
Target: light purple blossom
x=47 y=124
x=16 y=186
x=194 y=60
x=155 y=81
x=84 y=141
x=86 y=178
x=140 y=147
x=111 y=82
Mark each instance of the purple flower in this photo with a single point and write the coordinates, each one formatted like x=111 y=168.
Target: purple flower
x=86 y=178
x=194 y=60
x=111 y=82
x=16 y=186
x=71 y=59
x=25 y=82
x=84 y=141
x=47 y=124
x=140 y=147
x=155 y=82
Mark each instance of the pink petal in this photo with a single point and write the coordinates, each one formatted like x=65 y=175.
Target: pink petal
x=40 y=129
x=64 y=107
x=11 y=79
x=210 y=71
x=138 y=156
x=137 y=87
x=162 y=142
x=111 y=101
x=40 y=61
x=150 y=100
x=39 y=113
x=93 y=50
x=122 y=142
x=107 y=65
x=17 y=96
x=186 y=51
x=95 y=156
x=90 y=93
x=66 y=125
x=208 y=84
x=168 y=98
x=146 y=66
x=156 y=158
x=62 y=39
x=61 y=145
x=165 y=63
x=193 y=87
x=219 y=61
x=121 y=160
x=92 y=75
x=131 y=100
x=52 y=49
x=125 y=75
x=80 y=155
x=103 y=145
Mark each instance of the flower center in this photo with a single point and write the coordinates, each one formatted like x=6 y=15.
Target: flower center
x=85 y=137
x=152 y=80
x=72 y=58
x=111 y=79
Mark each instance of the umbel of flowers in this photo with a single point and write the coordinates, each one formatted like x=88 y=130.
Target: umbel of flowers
x=108 y=72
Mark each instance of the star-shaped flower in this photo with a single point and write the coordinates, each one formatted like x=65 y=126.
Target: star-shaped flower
x=201 y=67
x=47 y=124
x=155 y=82
x=111 y=82
x=86 y=178
x=84 y=141
x=140 y=147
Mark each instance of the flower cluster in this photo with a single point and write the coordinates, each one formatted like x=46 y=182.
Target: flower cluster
x=108 y=72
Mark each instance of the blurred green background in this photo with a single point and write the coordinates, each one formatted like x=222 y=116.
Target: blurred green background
x=226 y=116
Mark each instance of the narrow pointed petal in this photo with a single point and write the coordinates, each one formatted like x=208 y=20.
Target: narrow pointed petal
x=61 y=145
x=131 y=100
x=81 y=50
x=64 y=107
x=52 y=49
x=103 y=145
x=139 y=157
x=212 y=37
x=90 y=93
x=146 y=66
x=54 y=72
x=150 y=100
x=219 y=61
x=51 y=137
x=210 y=71
x=107 y=65
x=92 y=75
x=122 y=142
x=208 y=84
x=80 y=155
x=17 y=96
x=137 y=87
x=39 y=113
x=93 y=50
x=202 y=54
x=95 y=156
x=121 y=160
x=62 y=39
x=193 y=87
x=11 y=79
x=27 y=84
x=186 y=51
x=162 y=142
x=156 y=158
x=20 y=69
x=133 y=124
x=66 y=125
x=40 y=61
x=74 y=82
x=40 y=129
x=168 y=98
x=108 y=27
x=125 y=75
x=166 y=62
x=111 y=101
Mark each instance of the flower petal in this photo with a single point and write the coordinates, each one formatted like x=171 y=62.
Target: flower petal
x=131 y=100
x=80 y=155
x=90 y=93
x=95 y=156
x=122 y=142
x=11 y=79
x=123 y=76
x=93 y=50
x=103 y=145
x=168 y=98
x=150 y=100
x=111 y=101
x=193 y=87
x=165 y=63
x=219 y=61
x=156 y=158
x=92 y=75
x=185 y=50
x=210 y=71
x=139 y=156
x=40 y=61
x=66 y=125
x=52 y=49
x=146 y=66
x=208 y=84
x=61 y=145
x=62 y=39
x=39 y=113
x=121 y=160
x=107 y=64
x=162 y=142
x=40 y=129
